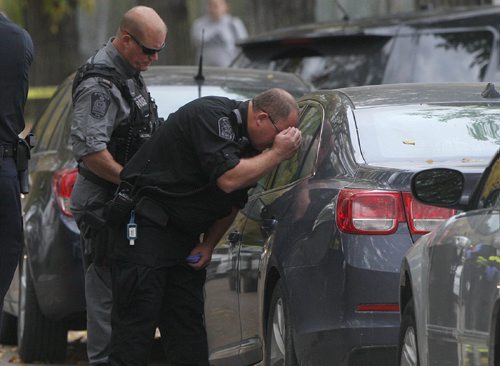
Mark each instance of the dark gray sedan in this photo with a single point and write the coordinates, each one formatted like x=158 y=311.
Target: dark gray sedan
x=308 y=273
x=450 y=279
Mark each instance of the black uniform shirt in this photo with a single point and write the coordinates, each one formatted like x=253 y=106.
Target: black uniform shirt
x=16 y=55
x=196 y=145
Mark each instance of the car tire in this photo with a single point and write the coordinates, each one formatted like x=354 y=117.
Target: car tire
x=40 y=339
x=8 y=329
x=408 y=345
x=279 y=349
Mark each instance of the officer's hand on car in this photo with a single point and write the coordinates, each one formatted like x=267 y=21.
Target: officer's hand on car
x=287 y=142
x=200 y=256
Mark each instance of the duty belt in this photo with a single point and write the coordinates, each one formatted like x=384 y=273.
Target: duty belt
x=7 y=151
x=103 y=183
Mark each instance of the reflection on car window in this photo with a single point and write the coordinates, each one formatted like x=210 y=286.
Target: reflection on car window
x=302 y=164
x=49 y=128
x=417 y=133
x=433 y=56
x=468 y=52
x=490 y=196
x=327 y=66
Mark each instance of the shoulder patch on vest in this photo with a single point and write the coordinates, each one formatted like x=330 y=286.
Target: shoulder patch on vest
x=99 y=104
x=225 y=129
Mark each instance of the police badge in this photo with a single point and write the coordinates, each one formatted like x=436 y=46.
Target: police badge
x=99 y=104
x=225 y=129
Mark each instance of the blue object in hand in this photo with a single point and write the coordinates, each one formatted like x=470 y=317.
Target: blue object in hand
x=193 y=258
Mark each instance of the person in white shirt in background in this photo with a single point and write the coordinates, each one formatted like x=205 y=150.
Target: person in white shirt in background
x=220 y=32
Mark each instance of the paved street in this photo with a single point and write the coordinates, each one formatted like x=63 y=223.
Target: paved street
x=76 y=353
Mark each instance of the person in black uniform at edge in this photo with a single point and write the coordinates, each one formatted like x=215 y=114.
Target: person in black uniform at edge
x=16 y=55
x=113 y=115
x=189 y=180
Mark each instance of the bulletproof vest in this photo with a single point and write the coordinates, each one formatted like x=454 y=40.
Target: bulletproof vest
x=143 y=120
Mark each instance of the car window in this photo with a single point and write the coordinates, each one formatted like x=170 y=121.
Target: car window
x=49 y=128
x=490 y=195
x=329 y=67
x=434 y=55
x=429 y=133
x=169 y=98
x=303 y=163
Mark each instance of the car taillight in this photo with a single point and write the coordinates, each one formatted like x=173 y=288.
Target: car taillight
x=379 y=212
x=62 y=184
x=369 y=212
x=423 y=218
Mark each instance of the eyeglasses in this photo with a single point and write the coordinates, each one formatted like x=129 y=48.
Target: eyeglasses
x=146 y=50
x=271 y=120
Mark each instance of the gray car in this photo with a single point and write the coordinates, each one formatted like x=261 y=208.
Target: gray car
x=308 y=272
x=450 y=279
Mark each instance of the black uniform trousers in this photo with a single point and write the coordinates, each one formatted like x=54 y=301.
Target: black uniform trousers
x=10 y=224
x=169 y=297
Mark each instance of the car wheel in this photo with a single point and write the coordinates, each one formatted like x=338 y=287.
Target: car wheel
x=408 y=346
x=279 y=344
x=8 y=329
x=40 y=339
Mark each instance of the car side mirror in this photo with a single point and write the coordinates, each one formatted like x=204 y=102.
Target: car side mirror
x=439 y=186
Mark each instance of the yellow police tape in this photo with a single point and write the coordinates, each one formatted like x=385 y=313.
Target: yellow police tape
x=41 y=92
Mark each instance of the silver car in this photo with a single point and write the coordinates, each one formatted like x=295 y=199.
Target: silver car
x=450 y=279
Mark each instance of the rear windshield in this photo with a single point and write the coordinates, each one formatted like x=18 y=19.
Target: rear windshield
x=172 y=97
x=412 y=56
x=426 y=134
x=324 y=65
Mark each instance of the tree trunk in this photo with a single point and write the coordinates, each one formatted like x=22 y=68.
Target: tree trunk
x=56 y=53
x=175 y=14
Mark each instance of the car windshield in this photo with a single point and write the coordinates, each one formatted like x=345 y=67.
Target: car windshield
x=465 y=133
x=170 y=98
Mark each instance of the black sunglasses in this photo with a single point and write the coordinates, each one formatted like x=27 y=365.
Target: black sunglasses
x=271 y=120
x=146 y=50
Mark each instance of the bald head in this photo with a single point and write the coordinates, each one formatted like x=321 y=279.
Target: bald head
x=142 y=21
x=277 y=102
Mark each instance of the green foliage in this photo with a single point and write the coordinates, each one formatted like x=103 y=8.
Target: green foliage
x=55 y=10
x=14 y=9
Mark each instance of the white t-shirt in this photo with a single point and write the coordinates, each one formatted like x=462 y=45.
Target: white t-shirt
x=220 y=37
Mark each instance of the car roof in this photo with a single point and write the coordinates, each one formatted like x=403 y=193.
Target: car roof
x=415 y=93
x=231 y=77
x=379 y=26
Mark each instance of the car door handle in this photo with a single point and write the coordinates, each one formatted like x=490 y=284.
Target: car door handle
x=268 y=226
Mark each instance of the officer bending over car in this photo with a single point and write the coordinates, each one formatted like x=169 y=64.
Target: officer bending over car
x=186 y=183
x=113 y=116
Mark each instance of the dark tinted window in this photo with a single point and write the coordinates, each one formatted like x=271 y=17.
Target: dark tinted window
x=303 y=163
x=327 y=63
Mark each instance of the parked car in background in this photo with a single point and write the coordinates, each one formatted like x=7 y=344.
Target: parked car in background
x=47 y=299
x=438 y=46
x=450 y=279
x=312 y=261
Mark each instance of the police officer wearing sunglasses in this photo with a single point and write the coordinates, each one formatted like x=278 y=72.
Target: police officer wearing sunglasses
x=113 y=116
